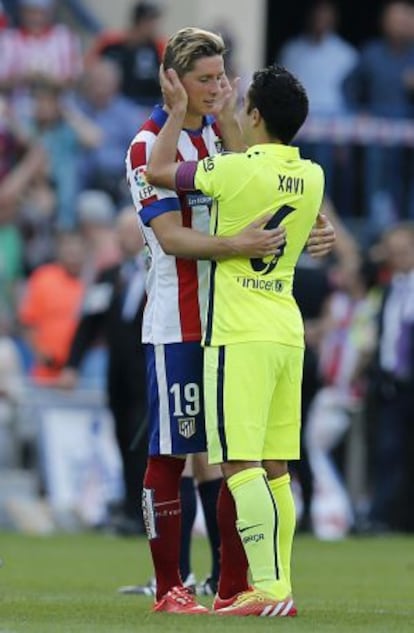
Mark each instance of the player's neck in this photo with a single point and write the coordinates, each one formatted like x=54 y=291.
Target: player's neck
x=192 y=121
x=261 y=137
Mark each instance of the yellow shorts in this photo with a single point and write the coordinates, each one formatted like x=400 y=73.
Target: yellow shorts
x=253 y=401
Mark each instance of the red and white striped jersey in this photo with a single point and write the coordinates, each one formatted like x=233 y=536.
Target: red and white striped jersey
x=176 y=288
x=55 y=53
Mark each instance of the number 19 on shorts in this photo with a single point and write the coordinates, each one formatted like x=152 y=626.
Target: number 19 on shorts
x=186 y=399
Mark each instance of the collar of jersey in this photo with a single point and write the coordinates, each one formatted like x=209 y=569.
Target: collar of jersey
x=159 y=116
x=288 y=152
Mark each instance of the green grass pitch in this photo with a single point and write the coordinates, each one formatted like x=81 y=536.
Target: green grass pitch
x=67 y=584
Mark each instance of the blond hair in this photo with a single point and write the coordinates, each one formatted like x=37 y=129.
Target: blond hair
x=188 y=45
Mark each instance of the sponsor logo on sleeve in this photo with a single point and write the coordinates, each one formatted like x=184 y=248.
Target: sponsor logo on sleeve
x=145 y=190
x=198 y=200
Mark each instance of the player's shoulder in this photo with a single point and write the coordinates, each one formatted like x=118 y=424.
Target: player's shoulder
x=146 y=134
x=141 y=145
x=222 y=163
x=314 y=177
x=314 y=169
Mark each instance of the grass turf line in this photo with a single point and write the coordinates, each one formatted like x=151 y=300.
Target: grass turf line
x=67 y=584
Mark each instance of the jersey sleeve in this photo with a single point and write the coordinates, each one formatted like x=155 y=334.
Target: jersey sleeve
x=149 y=201
x=210 y=176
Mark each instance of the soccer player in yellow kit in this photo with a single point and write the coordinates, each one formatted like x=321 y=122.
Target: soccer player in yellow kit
x=254 y=337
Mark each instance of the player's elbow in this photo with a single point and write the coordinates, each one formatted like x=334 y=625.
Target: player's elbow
x=153 y=175
x=160 y=177
x=150 y=175
x=169 y=246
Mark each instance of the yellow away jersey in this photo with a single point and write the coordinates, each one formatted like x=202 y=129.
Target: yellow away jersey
x=251 y=300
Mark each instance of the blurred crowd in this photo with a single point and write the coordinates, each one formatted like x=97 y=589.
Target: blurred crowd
x=360 y=101
x=72 y=96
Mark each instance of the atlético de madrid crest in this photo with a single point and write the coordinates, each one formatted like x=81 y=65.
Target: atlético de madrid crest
x=187 y=427
x=219 y=145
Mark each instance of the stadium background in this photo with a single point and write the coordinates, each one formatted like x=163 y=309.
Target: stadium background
x=259 y=28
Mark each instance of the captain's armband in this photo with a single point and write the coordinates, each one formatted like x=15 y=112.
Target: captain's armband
x=185 y=176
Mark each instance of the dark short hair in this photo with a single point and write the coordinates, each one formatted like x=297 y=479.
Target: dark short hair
x=145 y=11
x=281 y=100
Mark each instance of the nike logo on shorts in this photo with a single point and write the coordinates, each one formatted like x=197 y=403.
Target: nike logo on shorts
x=249 y=527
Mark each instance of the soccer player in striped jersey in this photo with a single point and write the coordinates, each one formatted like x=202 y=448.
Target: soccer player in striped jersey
x=176 y=232
x=253 y=335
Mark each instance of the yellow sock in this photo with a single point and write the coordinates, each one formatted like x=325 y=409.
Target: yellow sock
x=282 y=494
x=257 y=524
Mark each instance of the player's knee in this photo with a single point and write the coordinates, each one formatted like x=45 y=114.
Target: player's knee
x=232 y=468
x=275 y=468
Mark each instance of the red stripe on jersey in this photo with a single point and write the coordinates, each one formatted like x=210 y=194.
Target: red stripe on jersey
x=216 y=129
x=151 y=126
x=189 y=308
x=200 y=146
x=148 y=201
x=138 y=155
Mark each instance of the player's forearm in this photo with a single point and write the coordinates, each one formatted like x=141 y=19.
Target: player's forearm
x=162 y=166
x=231 y=133
x=190 y=244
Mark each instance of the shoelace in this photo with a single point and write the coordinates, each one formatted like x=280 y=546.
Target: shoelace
x=181 y=595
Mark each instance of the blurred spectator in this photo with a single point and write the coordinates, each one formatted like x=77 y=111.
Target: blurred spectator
x=50 y=307
x=321 y=59
x=381 y=85
x=62 y=131
x=83 y=14
x=348 y=340
x=8 y=141
x=137 y=52
x=113 y=309
x=96 y=218
x=118 y=120
x=14 y=184
x=39 y=47
x=11 y=388
x=312 y=288
x=36 y=222
x=20 y=160
x=11 y=267
x=3 y=17
x=393 y=434
x=230 y=57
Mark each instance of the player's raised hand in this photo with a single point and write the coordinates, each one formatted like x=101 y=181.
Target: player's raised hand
x=173 y=91
x=256 y=241
x=322 y=237
x=226 y=103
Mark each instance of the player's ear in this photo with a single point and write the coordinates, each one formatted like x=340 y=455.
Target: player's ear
x=255 y=117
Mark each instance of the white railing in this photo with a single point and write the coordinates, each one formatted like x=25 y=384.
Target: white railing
x=358 y=130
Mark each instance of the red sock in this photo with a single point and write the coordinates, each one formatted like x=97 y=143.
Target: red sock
x=234 y=565
x=162 y=514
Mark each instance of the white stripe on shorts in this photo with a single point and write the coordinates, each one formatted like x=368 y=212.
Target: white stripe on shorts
x=164 y=411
